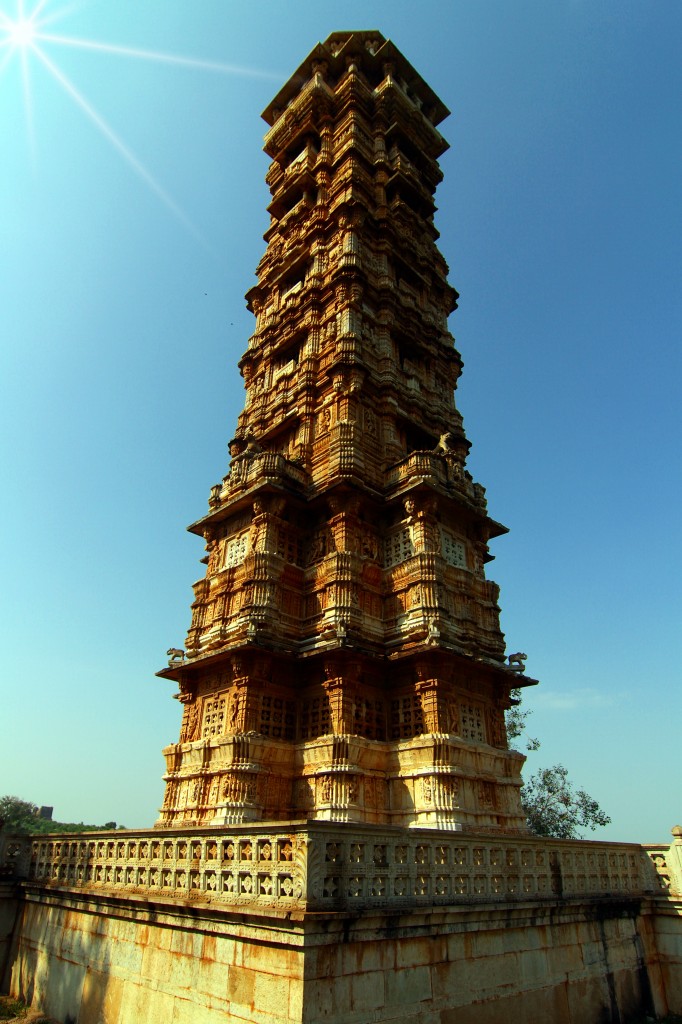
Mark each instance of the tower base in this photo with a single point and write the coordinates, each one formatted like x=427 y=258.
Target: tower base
x=315 y=923
x=428 y=781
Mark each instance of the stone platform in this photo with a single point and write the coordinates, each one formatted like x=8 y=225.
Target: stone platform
x=314 y=923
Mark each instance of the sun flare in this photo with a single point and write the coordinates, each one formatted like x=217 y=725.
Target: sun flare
x=23 y=40
x=22 y=32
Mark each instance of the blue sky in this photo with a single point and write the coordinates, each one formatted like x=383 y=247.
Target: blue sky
x=132 y=206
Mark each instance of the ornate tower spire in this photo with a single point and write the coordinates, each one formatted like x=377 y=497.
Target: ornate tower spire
x=345 y=659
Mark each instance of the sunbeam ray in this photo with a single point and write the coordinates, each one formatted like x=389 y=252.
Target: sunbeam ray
x=50 y=18
x=164 y=58
x=118 y=144
x=37 y=9
x=5 y=59
x=28 y=106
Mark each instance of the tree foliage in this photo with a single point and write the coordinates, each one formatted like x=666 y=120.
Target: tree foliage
x=21 y=816
x=551 y=805
x=554 y=808
x=17 y=814
x=516 y=721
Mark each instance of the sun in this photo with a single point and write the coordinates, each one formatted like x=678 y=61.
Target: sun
x=20 y=33
x=25 y=41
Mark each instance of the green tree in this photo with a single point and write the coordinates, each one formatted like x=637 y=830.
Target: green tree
x=554 y=808
x=17 y=815
x=551 y=805
x=21 y=816
x=516 y=721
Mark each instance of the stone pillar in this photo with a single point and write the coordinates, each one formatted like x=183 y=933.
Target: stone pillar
x=333 y=688
x=674 y=861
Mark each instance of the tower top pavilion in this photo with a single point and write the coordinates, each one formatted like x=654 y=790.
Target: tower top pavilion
x=345 y=659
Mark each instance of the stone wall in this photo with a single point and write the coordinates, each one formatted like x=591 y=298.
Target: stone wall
x=381 y=925
x=558 y=962
x=112 y=960
x=9 y=911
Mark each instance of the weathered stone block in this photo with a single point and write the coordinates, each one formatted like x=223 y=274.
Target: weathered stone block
x=241 y=988
x=365 y=956
x=138 y=1000
x=544 y=1006
x=272 y=993
x=368 y=991
x=408 y=986
x=191 y=1011
x=333 y=1000
x=431 y=949
x=565 y=958
x=191 y=944
x=102 y=998
x=533 y=969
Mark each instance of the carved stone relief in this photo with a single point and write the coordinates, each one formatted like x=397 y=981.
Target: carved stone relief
x=347 y=530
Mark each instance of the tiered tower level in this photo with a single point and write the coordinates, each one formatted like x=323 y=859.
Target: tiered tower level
x=345 y=659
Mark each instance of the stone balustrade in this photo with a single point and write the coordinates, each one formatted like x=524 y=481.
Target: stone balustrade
x=255 y=866
x=419 y=464
x=246 y=471
x=667 y=862
x=15 y=856
x=417 y=867
x=659 y=860
x=425 y=465
x=323 y=865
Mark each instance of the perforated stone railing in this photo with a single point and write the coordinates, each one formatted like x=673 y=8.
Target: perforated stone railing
x=418 y=464
x=321 y=865
x=420 y=868
x=432 y=466
x=246 y=470
x=15 y=856
x=239 y=866
x=667 y=863
x=659 y=860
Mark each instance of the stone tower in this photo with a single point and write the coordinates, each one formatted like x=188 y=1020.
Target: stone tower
x=345 y=660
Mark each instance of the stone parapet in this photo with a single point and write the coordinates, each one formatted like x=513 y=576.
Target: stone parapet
x=667 y=860
x=15 y=856
x=437 y=469
x=324 y=866
x=248 y=471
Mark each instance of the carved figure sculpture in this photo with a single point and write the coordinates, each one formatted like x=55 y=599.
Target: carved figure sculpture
x=446 y=442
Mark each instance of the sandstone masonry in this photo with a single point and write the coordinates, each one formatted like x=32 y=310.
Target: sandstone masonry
x=345 y=660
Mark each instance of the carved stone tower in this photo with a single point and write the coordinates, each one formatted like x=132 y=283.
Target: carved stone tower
x=345 y=659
